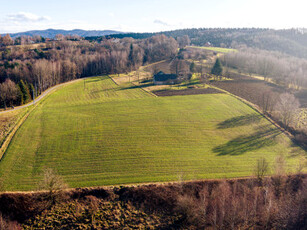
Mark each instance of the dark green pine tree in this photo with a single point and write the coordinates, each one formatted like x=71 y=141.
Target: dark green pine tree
x=19 y=99
x=31 y=90
x=192 y=67
x=26 y=97
x=217 y=68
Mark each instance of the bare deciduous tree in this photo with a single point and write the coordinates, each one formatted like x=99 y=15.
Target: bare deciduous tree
x=183 y=41
x=261 y=169
x=268 y=102
x=286 y=108
x=6 y=40
x=53 y=184
x=8 y=92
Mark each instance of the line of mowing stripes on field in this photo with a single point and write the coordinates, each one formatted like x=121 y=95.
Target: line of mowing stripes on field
x=105 y=134
x=95 y=90
x=23 y=111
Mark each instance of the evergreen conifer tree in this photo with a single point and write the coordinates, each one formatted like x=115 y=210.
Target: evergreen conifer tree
x=25 y=94
x=217 y=68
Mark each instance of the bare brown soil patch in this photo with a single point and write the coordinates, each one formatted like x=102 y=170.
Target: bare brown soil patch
x=188 y=91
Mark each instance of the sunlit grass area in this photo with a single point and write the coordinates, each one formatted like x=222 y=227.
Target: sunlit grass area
x=95 y=132
x=215 y=49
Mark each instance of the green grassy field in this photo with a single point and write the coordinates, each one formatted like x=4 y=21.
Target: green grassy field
x=216 y=49
x=104 y=134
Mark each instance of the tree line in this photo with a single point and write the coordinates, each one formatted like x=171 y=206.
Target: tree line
x=280 y=68
x=54 y=62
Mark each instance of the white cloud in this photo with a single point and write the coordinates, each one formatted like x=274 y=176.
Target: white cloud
x=26 y=17
x=161 y=22
x=23 y=21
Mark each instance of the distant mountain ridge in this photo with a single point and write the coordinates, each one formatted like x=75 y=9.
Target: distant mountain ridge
x=51 y=33
x=289 y=41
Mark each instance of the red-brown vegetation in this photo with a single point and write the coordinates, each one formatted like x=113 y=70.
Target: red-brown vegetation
x=280 y=202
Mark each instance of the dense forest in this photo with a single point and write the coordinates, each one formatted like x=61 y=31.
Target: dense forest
x=23 y=71
x=291 y=41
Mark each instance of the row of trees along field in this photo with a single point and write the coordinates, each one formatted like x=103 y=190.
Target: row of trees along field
x=55 y=62
x=282 y=69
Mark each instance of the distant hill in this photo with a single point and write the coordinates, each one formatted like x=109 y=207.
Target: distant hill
x=50 y=33
x=291 y=41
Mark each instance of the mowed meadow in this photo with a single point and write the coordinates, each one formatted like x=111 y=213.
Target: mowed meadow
x=94 y=132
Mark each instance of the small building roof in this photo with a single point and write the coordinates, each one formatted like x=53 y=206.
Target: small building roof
x=164 y=77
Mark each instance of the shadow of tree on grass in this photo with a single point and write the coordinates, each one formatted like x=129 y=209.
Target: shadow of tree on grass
x=135 y=86
x=242 y=144
x=96 y=79
x=240 y=121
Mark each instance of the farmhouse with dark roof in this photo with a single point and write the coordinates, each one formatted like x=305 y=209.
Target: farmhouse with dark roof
x=164 y=79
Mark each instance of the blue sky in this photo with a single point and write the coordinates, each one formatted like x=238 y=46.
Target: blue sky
x=149 y=15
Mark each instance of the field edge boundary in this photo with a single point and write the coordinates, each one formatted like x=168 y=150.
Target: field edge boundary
x=257 y=109
x=162 y=183
x=9 y=137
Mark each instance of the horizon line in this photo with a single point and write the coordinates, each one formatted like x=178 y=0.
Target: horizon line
x=198 y=28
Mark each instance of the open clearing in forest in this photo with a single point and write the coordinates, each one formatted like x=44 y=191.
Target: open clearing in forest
x=101 y=133
x=215 y=49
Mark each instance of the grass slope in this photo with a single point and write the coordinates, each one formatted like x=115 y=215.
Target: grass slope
x=215 y=49
x=106 y=134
